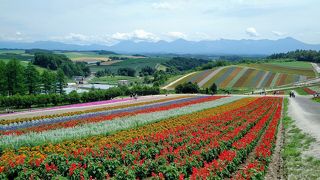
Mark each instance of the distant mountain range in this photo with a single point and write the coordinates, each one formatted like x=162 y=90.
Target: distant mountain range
x=180 y=46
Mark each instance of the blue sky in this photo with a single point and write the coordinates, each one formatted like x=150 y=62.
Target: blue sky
x=109 y=21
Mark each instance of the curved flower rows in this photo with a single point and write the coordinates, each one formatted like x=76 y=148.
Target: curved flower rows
x=94 y=113
x=74 y=113
x=104 y=125
x=208 y=139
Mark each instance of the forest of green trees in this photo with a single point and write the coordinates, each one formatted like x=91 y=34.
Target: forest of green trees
x=42 y=100
x=183 y=64
x=25 y=87
x=59 y=61
x=17 y=79
x=299 y=55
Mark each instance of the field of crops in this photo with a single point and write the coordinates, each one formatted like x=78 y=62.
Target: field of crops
x=114 y=79
x=176 y=137
x=240 y=77
x=134 y=63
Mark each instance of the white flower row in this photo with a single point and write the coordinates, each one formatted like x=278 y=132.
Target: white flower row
x=85 y=130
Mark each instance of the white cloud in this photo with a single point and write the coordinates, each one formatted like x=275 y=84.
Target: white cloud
x=136 y=35
x=82 y=39
x=278 y=33
x=199 y=36
x=251 y=31
x=15 y=36
x=176 y=35
x=163 y=5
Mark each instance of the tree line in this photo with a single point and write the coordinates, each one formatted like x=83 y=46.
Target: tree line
x=17 y=79
x=189 y=87
x=60 y=61
x=42 y=100
x=299 y=55
x=184 y=64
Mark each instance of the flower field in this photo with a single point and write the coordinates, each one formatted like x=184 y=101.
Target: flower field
x=191 y=137
x=243 y=77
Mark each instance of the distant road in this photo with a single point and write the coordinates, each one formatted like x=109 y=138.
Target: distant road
x=316 y=67
x=170 y=84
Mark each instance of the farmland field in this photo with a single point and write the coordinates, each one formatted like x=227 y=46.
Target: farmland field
x=85 y=56
x=209 y=137
x=238 y=77
x=114 y=79
x=25 y=63
x=134 y=63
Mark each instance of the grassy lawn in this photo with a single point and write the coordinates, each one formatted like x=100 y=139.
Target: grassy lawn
x=114 y=79
x=300 y=91
x=25 y=63
x=160 y=67
x=297 y=165
x=298 y=68
x=173 y=78
x=4 y=51
x=294 y=64
x=316 y=99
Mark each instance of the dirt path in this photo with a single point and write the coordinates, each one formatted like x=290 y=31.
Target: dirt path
x=306 y=114
x=275 y=169
x=170 y=84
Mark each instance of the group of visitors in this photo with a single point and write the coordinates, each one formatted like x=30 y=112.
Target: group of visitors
x=291 y=94
x=9 y=110
x=134 y=96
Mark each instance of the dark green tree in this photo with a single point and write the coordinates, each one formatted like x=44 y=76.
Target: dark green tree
x=32 y=79
x=73 y=97
x=188 y=87
x=147 y=70
x=214 y=88
x=3 y=80
x=126 y=72
x=48 y=80
x=60 y=81
x=14 y=76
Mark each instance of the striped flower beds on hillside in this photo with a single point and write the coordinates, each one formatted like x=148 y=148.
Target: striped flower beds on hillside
x=244 y=77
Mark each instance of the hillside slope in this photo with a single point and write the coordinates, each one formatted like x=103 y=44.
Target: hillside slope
x=247 y=77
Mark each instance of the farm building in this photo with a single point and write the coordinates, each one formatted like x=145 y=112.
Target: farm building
x=78 y=79
x=123 y=82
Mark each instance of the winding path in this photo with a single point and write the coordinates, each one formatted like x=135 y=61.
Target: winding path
x=172 y=83
x=306 y=114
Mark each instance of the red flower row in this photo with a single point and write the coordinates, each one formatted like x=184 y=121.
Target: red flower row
x=229 y=159
x=263 y=152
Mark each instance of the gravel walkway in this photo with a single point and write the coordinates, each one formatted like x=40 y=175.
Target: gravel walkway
x=306 y=113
